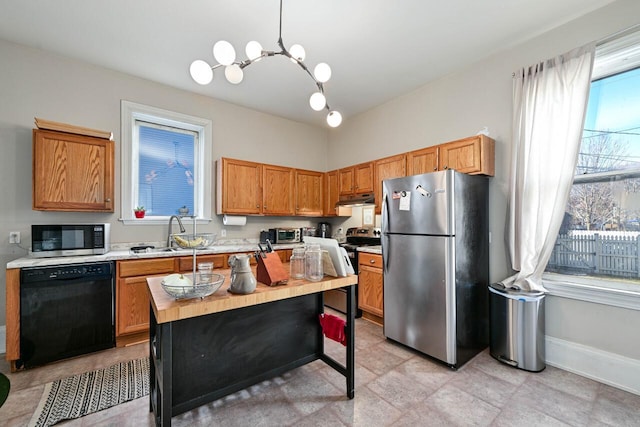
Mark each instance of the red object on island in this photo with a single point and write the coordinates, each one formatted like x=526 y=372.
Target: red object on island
x=139 y=214
x=333 y=328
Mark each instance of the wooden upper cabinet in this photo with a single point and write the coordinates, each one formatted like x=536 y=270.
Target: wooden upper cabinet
x=474 y=155
x=308 y=189
x=422 y=161
x=356 y=179
x=239 y=187
x=72 y=172
x=387 y=168
x=277 y=193
x=331 y=193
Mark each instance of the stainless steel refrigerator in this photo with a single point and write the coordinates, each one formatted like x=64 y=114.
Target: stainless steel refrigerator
x=435 y=248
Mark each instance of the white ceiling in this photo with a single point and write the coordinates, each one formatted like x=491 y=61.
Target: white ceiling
x=377 y=49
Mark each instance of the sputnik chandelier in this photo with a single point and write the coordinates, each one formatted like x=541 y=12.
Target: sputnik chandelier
x=225 y=54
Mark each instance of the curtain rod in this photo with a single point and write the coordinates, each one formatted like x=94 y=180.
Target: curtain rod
x=618 y=34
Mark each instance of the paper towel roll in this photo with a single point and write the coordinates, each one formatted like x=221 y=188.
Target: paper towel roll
x=234 y=220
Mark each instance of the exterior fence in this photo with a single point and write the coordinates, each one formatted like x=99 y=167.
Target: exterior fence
x=598 y=254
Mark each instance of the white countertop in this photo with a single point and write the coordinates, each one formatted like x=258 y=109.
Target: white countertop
x=370 y=249
x=122 y=253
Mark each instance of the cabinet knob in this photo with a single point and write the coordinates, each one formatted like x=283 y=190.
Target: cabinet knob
x=257 y=206
x=435 y=168
x=372 y=261
x=446 y=167
x=107 y=200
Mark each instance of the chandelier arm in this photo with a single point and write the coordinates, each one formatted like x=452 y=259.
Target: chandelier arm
x=284 y=52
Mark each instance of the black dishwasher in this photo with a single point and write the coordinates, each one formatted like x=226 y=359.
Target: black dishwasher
x=65 y=311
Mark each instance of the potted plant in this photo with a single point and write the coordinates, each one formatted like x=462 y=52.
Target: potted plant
x=184 y=210
x=139 y=212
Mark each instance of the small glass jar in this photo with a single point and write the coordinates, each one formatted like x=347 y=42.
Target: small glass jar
x=313 y=263
x=296 y=264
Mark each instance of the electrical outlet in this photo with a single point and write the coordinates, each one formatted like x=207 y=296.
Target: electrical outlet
x=223 y=233
x=14 y=237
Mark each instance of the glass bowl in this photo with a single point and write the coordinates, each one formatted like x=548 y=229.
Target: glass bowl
x=194 y=241
x=185 y=289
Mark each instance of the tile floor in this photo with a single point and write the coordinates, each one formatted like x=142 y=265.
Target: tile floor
x=394 y=387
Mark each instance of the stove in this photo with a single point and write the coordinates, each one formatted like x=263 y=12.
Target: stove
x=356 y=237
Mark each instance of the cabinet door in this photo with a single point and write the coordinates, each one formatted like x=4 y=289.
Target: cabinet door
x=370 y=290
x=331 y=193
x=308 y=193
x=363 y=175
x=284 y=254
x=132 y=305
x=239 y=187
x=72 y=172
x=390 y=167
x=422 y=161
x=346 y=181
x=473 y=155
x=277 y=198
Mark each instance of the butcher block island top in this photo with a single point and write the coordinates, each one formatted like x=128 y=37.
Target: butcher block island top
x=168 y=309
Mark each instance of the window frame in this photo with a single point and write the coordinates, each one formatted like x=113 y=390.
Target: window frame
x=615 y=55
x=130 y=113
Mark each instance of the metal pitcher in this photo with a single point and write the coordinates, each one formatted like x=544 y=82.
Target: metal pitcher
x=242 y=279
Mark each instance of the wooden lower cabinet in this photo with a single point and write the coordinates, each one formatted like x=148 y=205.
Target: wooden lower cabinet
x=132 y=297
x=370 y=285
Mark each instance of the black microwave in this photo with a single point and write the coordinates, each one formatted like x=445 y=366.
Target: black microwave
x=69 y=240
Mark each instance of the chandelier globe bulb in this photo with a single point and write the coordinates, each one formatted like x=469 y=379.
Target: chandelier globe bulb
x=322 y=72
x=253 y=50
x=334 y=119
x=297 y=52
x=201 y=72
x=224 y=52
x=317 y=101
x=233 y=73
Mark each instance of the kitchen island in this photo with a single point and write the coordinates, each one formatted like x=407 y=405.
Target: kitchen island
x=204 y=349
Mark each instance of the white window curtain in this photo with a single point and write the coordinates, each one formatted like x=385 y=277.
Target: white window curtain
x=549 y=106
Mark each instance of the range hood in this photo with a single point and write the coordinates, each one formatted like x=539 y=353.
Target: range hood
x=356 y=200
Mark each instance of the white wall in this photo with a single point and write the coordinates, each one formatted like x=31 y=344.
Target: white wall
x=459 y=105
x=38 y=84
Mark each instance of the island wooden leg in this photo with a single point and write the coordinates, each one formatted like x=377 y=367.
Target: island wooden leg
x=160 y=371
x=350 y=334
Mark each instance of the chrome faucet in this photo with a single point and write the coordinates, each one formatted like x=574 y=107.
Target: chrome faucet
x=182 y=229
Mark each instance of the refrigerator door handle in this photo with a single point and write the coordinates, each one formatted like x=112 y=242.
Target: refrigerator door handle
x=384 y=241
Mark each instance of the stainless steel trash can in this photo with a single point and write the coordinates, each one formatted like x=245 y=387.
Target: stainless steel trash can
x=517 y=327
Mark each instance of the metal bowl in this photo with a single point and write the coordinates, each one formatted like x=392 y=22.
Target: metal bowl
x=197 y=290
x=194 y=241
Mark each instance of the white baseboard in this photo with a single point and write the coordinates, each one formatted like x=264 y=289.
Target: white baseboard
x=3 y=339
x=599 y=365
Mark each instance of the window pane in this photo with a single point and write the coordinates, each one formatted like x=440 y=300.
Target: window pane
x=599 y=234
x=611 y=139
x=166 y=170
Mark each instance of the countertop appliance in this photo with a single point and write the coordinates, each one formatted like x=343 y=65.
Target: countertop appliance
x=65 y=311
x=356 y=237
x=55 y=240
x=281 y=235
x=435 y=246
x=323 y=230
